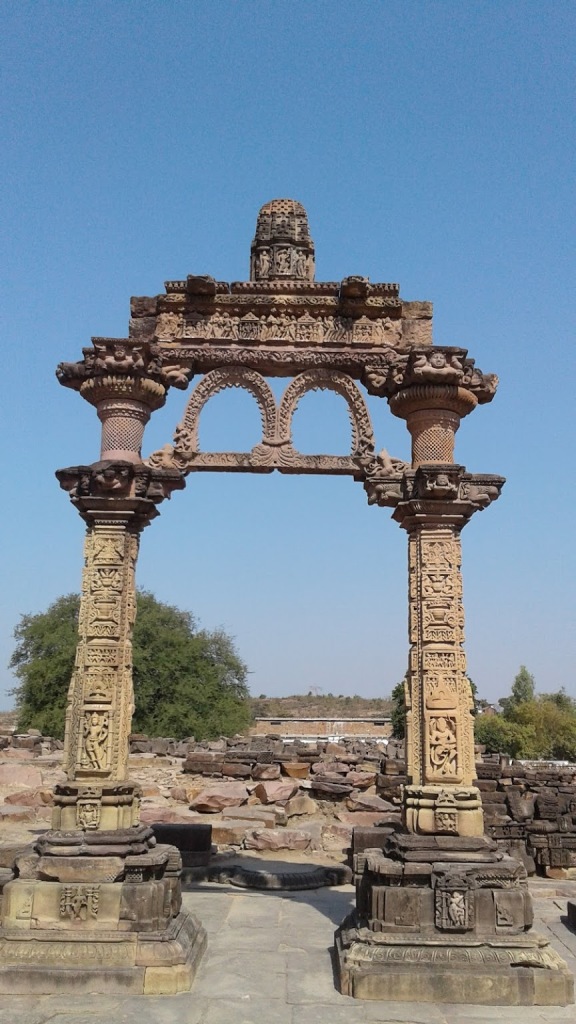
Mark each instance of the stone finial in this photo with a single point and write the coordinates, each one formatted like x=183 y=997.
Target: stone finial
x=282 y=248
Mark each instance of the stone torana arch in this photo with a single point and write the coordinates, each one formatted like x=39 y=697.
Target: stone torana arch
x=275 y=449
x=99 y=870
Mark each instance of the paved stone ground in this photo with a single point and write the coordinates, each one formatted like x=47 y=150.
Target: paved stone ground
x=269 y=962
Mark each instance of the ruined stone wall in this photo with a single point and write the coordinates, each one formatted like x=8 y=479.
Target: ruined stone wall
x=323 y=728
x=529 y=810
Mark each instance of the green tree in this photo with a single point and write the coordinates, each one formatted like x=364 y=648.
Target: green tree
x=500 y=736
x=398 y=712
x=553 y=726
x=540 y=729
x=187 y=681
x=43 y=660
x=561 y=700
x=522 y=692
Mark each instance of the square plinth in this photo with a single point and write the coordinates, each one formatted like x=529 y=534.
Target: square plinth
x=45 y=961
x=432 y=972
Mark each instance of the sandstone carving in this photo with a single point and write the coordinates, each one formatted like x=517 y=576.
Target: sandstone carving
x=322 y=335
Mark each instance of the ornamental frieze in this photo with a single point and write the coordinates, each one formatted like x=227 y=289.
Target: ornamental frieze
x=282 y=327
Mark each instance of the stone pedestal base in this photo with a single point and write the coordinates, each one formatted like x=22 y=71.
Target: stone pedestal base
x=94 y=911
x=446 y=919
x=525 y=972
x=136 y=963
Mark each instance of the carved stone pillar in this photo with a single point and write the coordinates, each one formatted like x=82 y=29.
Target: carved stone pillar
x=116 y=500
x=98 y=897
x=441 y=915
x=440 y=798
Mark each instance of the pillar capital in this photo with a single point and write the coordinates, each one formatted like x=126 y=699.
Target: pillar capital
x=430 y=365
x=432 y=493
x=124 y=379
x=432 y=388
x=119 y=491
x=438 y=494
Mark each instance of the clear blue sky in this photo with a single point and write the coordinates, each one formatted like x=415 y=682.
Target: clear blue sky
x=432 y=144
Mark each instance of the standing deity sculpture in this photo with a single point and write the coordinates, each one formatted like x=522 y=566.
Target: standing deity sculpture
x=95 y=737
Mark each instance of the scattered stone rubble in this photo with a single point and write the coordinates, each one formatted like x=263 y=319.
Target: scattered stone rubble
x=266 y=796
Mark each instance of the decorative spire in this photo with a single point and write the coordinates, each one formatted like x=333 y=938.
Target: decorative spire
x=282 y=248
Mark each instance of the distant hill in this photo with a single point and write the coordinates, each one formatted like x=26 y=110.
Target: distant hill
x=323 y=706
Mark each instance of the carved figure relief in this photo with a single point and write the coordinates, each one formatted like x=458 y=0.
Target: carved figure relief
x=446 y=813
x=290 y=329
x=263 y=264
x=454 y=904
x=441 y=690
x=442 y=745
x=24 y=912
x=88 y=814
x=505 y=917
x=96 y=732
x=79 y=902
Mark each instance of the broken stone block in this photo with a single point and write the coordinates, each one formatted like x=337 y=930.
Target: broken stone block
x=277 y=839
x=361 y=780
x=358 y=801
x=265 y=772
x=210 y=801
x=256 y=815
x=278 y=792
x=295 y=769
x=236 y=769
x=301 y=803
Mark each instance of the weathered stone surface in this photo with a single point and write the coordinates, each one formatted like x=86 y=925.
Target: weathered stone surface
x=337 y=840
x=321 y=785
x=15 y=754
x=179 y=794
x=235 y=769
x=210 y=801
x=330 y=768
x=361 y=780
x=301 y=803
x=336 y=749
x=76 y=869
x=229 y=831
x=252 y=815
x=277 y=839
x=360 y=818
x=20 y=775
x=153 y=815
x=295 y=769
x=16 y=812
x=30 y=798
x=358 y=801
x=276 y=792
x=265 y=772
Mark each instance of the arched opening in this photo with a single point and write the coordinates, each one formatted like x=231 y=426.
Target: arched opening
x=229 y=421
x=321 y=423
